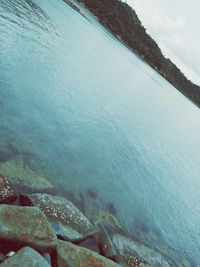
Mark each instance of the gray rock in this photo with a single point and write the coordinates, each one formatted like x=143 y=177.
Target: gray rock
x=104 y=242
x=181 y=263
x=68 y=222
x=132 y=253
x=26 y=257
x=25 y=226
x=91 y=244
x=47 y=257
x=25 y=178
x=70 y=255
x=7 y=193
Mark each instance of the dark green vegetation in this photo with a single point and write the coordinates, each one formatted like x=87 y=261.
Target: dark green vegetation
x=124 y=23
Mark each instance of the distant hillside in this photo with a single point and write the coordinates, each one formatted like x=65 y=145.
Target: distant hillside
x=122 y=21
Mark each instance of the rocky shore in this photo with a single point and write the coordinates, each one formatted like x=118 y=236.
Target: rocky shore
x=42 y=229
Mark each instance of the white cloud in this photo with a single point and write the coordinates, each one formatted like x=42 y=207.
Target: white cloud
x=174 y=24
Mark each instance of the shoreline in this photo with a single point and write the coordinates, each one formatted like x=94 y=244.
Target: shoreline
x=65 y=227
x=175 y=80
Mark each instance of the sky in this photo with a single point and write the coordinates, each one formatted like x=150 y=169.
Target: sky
x=175 y=26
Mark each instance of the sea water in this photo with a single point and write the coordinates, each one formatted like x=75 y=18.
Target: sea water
x=82 y=110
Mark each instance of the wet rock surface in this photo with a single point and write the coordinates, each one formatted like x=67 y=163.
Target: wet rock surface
x=25 y=226
x=105 y=243
x=68 y=222
x=43 y=216
x=110 y=221
x=26 y=257
x=91 y=244
x=7 y=193
x=24 y=178
x=70 y=255
x=132 y=253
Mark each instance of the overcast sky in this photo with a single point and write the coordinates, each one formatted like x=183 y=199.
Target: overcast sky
x=175 y=25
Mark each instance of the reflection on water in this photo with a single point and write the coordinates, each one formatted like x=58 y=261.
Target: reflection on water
x=83 y=117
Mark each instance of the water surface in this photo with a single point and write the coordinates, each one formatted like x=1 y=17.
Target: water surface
x=80 y=109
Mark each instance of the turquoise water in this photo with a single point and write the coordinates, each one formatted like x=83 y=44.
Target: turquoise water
x=83 y=111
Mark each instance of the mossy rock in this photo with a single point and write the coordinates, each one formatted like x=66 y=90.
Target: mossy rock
x=24 y=178
x=105 y=244
x=111 y=222
x=132 y=253
x=68 y=222
x=25 y=226
x=8 y=194
x=70 y=255
x=24 y=256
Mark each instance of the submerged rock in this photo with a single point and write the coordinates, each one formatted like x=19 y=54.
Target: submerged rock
x=151 y=236
x=109 y=220
x=69 y=223
x=183 y=263
x=26 y=257
x=7 y=193
x=24 y=178
x=105 y=244
x=131 y=253
x=25 y=226
x=110 y=207
x=69 y=255
x=91 y=193
x=91 y=244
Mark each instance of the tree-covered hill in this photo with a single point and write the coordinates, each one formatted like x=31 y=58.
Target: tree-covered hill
x=122 y=21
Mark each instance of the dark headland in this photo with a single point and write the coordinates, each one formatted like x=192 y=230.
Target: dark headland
x=124 y=23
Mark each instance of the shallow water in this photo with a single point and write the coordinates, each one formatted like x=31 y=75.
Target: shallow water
x=81 y=110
